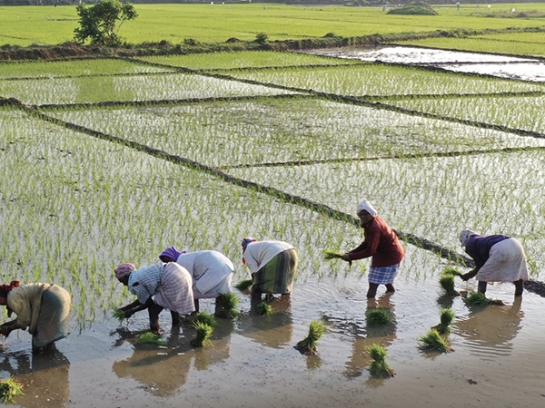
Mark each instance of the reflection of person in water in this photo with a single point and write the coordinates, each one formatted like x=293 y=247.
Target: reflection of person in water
x=383 y=335
x=273 y=331
x=491 y=326
x=164 y=374
x=45 y=375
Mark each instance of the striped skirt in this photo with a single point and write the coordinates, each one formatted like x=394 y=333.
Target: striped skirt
x=175 y=292
x=383 y=275
x=54 y=318
x=277 y=275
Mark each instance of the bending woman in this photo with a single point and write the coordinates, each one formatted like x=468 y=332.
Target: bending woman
x=498 y=258
x=273 y=265
x=43 y=308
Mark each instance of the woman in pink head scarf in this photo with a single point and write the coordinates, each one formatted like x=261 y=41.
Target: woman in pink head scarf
x=381 y=245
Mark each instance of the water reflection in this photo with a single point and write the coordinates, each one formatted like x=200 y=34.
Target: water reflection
x=490 y=329
x=275 y=330
x=43 y=376
x=164 y=370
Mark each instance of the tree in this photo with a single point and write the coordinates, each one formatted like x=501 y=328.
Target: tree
x=98 y=22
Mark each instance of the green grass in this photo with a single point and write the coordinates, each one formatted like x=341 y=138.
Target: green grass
x=26 y=25
x=9 y=389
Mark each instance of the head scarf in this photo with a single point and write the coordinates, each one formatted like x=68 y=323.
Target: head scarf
x=172 y=253
x=246 y=241
x=5 y=289
x=465 y=235
x=366 y=205
x=123 y=270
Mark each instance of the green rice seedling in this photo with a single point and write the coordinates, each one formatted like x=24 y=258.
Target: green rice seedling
x=447 y=317
x=226 y=304
x=434 y=340
x=308 y=345
x=447 y=283
x=264 y=309
x=479 y=298
x=9 y=389
x=449 y=270
x=378 y=317
x=329 y=255
x=379 y=367
x=244 y=284
x=202 y=334
x=204 y=317
x=119 y=315
x=150 y=338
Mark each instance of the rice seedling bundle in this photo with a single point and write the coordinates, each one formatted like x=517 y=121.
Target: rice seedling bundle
x=378 y=317
x=244 y=285
x=449 y=270
x=119 y=315
x=447 y=283
x=329 y=254
x=479 y=298
x=226 y=304
x=149 y=337
x=264 y=309
x=202 y=334
x=379 y=367
x=9 y=389
x=447 y=317
x=204 y=317
x=434 y=340
x=308 y=345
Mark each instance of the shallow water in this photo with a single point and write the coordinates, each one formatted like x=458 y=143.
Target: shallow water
x=528 y=69
x=252 y=360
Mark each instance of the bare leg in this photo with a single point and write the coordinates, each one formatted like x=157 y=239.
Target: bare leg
x=390 y=287
x=372 y=291
x=196 y=302
x=482 y=286
x=175 y=318
x=519 y=286
x=153 y=312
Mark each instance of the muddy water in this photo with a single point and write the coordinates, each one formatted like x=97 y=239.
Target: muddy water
x=252 y=360
x=528 y=69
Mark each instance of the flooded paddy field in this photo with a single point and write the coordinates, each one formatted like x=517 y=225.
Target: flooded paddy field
x=275 y=154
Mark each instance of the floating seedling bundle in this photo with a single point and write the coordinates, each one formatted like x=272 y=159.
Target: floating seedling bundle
x=264 y=309
x=226 y=305
x=479 y=298
x=202 y=334
x=447 y=317
x=148 y=337
x=308 y=345
x=435 y=341
x=9 y=389
x=447 y=280
x=379 y=367
x=204 y=317
x=378 y=317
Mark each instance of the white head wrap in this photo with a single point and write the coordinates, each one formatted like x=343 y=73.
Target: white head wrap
x=366 y=205
x=465 y=235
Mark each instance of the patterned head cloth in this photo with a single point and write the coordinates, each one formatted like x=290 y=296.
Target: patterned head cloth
x=366 y=205
x=172 y=253
x=5 y=289
x=246 y=241
x=465 y=235
x=123 y=270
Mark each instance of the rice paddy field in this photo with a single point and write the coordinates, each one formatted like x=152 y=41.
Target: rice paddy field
x=110 y=161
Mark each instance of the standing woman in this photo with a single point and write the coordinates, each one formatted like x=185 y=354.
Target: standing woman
x=272 y=264
x=382 y=245
x=42 y=307
x=156 y=287
x=212 y=272
x=498 y=258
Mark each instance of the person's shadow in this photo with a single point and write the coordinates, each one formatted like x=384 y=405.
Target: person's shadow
x=45 y=375
x=491 y=327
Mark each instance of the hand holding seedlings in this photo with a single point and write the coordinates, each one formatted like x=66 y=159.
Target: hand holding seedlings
x=381 y=245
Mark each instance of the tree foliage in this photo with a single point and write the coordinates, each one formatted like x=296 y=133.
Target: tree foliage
x=98 y=22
